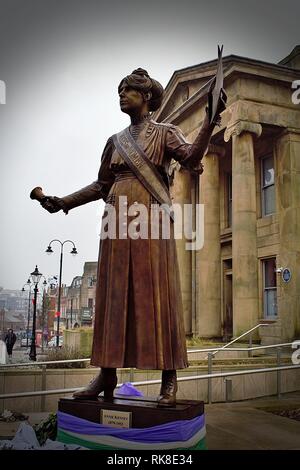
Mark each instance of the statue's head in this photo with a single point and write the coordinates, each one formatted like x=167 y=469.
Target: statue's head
x=139 y=89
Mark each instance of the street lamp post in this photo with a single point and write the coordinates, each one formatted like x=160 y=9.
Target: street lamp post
x=71 y=312
x=43 y=310
x=35 y=276
x=28 y=283
x=49 y=251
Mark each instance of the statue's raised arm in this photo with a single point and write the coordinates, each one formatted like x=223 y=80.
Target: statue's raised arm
x=217 y=97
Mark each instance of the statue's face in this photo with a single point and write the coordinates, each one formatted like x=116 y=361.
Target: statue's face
x=131 y=100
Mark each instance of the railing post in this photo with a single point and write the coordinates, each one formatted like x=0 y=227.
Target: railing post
x=44 y=380
x=209 y=381
x=278 y=353
x=228 y=389
x=250 y=345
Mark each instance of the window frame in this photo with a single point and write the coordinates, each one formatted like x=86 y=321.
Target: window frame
x=268 y=289
x=264 y=187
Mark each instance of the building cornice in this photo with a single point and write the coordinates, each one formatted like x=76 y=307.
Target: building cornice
x=233 y=66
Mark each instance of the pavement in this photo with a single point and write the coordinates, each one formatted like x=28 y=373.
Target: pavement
x=21 y=354
x=245 y=425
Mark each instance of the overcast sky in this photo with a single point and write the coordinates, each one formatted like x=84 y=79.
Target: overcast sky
x=62 y=61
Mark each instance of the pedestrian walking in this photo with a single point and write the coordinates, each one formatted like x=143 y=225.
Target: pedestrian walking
x=10 y=339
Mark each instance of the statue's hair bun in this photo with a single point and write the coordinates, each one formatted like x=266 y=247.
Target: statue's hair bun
x=141 y=72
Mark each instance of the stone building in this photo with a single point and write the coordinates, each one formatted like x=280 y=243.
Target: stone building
x=14 y=301
x=73 y=302
x=77 y=300
x=8 y=320
x=88 y=292
x=250 y=189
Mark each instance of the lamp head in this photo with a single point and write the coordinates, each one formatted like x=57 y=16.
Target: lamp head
x=36 y=276
x=49 y=250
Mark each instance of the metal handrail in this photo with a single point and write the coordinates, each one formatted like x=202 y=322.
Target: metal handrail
x=241 y=336
x=63 y=361
x=155 y=381
x=43 y=363
x=252 y=348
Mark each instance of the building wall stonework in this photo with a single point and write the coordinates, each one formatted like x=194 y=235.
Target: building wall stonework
x=242 y=235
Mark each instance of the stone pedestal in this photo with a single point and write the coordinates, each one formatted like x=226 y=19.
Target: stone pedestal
x=131 y=423
x=145 y=412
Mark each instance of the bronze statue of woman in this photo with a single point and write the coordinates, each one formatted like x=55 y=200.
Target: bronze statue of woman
x=138 y=312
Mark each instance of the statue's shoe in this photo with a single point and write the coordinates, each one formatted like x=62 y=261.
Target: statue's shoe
x=168 y=389
x=104 y=382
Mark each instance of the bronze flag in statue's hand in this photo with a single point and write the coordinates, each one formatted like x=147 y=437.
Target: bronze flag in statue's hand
x=217 y=96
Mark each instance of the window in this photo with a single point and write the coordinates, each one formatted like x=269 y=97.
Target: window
x=91 y=281
x=90 y=303
x=267 y=186
x=229 y=200
x=77 y=283
x=270 y=288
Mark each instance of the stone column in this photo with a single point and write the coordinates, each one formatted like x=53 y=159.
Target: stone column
x=209 y=257
x=181 y=194
x=244 y=216
x=288 y=209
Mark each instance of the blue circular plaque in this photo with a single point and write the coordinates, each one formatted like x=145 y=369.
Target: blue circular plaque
x=286 y=275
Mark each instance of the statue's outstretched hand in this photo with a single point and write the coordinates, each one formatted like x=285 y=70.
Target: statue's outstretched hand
x=53 y=204
x=222 y=102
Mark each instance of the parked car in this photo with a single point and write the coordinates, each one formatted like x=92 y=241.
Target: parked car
x=24 y=342
x=52 y=342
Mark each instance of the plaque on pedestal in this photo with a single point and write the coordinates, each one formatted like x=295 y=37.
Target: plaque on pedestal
x=131 y=423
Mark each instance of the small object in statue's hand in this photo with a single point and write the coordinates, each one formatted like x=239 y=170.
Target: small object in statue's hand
x=51 y=204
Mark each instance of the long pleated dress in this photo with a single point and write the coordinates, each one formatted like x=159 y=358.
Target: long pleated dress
x=138 y=311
